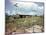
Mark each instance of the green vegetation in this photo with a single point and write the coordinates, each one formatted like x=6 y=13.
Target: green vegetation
x=23 y=23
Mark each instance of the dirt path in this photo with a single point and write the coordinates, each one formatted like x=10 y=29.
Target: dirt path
x=36 y=28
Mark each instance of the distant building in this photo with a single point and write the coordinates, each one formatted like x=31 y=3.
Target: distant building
x=23 y=16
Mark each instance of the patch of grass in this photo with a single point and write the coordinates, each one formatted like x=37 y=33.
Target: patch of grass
x=25 y=22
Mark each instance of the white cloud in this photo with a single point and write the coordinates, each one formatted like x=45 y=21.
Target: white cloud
x=41 y=7
x=7 y=11
x=29 y=0
x=19 y=13
x=23 y=4
x=28 y=5
x=41 y=10
x=13 y=1
x=24 y=13
x=32 y=13
x=13 y=12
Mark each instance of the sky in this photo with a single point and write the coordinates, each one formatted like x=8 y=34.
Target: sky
x=13 y=7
